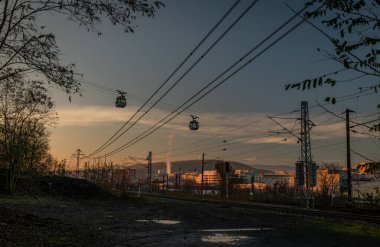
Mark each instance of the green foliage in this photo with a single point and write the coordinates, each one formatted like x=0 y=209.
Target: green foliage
x=354 y=229
x=357 y=25
x=330 y=99
x=352 y=27
x=311 y=83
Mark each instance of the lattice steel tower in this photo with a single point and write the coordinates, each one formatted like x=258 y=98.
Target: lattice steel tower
x=305 y=143
x=305 y=167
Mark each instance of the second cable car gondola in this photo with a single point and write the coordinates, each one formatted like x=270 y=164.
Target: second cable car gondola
x=121 y=101
x=194 y=125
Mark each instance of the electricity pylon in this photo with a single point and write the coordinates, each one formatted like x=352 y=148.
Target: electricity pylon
x=77 y=155
x=305 y=167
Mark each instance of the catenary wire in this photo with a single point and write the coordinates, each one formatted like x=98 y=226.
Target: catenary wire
x=146 y=133
x=183 y=75
x=167 y=80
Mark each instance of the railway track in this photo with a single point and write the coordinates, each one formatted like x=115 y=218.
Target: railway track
x=280 y=209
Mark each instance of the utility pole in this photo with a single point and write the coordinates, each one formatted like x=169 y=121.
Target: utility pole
x=252 y=185
x=349 y=184
x=85 y=170
x=227 y=177
x=203 y=167
x=77 y=155
x=149 y=158
x=227 y=173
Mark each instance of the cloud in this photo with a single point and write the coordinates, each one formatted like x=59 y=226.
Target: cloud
x=330 y=131
x=250 y=159
x=98 y=115
x=255 y=127
x=274 y=139
x=89 y=116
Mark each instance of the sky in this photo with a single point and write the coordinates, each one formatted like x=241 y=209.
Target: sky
x=234 y=122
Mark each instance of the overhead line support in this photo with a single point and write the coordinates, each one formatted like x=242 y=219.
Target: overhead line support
x=348 y=153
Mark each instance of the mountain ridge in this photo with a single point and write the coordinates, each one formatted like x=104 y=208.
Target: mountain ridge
x=159 y=168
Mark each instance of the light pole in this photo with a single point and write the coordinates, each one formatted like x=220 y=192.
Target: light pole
x=203 y=167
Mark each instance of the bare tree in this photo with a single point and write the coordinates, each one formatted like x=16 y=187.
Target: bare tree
x=327 y=185
x=25 y=111
x=26 y=48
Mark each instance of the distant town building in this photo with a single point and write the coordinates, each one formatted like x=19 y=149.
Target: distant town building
x=188 y=176
x=210 y=178
x=270 y=180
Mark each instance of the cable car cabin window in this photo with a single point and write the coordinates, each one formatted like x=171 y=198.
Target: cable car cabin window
x=121 y=102
x=194 y=125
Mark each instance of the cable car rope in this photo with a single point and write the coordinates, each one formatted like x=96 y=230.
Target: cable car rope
x=165 y=106
x=177 y=111
x=172 y=118
x=108 y=142
x=209 y=146
x=227 y=131
x=186 y=72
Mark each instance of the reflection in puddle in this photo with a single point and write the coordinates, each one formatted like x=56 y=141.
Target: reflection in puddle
x=224 y=238
x=237 y=229
x=163 y=222
x=167 y=222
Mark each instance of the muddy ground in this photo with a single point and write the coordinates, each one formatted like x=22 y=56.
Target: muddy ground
x=132 y=221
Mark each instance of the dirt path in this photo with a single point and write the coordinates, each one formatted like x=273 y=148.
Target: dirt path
x=158 y=222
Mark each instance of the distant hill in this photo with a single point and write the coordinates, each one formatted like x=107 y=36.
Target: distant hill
x=193 y=165
x=289 y=169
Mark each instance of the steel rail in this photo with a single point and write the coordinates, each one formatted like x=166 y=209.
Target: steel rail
x=280 y=209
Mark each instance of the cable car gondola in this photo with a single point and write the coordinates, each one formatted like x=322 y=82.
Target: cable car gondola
x=194 y=125
x=121 y=101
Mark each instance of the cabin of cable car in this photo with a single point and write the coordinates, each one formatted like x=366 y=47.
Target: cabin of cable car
x=194 y=125
x=121 y=101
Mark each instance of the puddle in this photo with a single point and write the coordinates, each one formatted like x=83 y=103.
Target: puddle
x=224 y=238
x=237 y=229
x=163 y=222
x=167 y=222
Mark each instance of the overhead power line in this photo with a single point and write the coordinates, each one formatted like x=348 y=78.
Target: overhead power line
x=376 y=72
x=223 y=145
x=364 y=124
x=177 y=111
x=336 y=115
x=362 y=156
x=112 y=138
x=226 y=144
x=284 y=128
x=95 y=85
x=227 y=131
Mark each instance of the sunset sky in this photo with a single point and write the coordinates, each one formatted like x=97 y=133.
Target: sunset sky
x=233 y=118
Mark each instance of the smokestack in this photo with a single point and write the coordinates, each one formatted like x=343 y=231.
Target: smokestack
x=168 y=154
